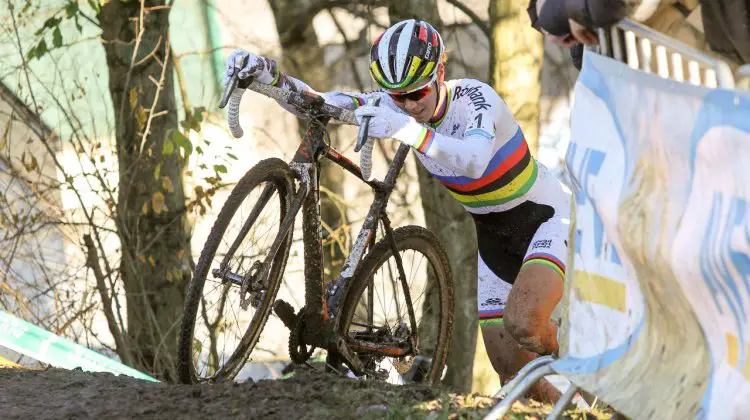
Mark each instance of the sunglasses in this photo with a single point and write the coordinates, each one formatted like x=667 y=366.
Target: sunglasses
x=412 y=96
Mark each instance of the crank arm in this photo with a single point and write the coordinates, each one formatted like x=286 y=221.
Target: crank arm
x=349 y=357
x=388 y=350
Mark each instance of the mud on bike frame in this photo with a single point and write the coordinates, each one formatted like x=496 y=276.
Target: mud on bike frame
x=317 y=324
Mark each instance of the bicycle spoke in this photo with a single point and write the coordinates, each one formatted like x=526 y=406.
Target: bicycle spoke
x=250 y=220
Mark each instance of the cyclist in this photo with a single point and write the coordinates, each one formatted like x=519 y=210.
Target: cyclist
x=466 y=136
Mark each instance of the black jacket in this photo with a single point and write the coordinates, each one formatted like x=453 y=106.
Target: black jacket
x=727 y=27
x=554 y=16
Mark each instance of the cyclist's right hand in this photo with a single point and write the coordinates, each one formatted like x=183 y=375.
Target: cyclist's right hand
x=262 y=69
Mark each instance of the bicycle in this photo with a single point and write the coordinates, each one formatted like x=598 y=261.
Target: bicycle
x=330 y=318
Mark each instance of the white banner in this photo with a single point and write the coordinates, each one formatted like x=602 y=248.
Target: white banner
x=657 y=305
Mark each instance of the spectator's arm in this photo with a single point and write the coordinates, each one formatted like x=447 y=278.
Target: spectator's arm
x=533 y=15
x=553 y=17
x=601 y=13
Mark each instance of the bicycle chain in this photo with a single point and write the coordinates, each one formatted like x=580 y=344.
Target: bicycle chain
x=296 y=343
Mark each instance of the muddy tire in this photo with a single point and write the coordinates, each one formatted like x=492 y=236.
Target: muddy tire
x=271 y=175
x=437 y=302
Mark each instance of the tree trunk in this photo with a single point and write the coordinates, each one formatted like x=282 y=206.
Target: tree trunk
x=151 y=220
x=455 y=230
x=303 y=59
x=516 y=70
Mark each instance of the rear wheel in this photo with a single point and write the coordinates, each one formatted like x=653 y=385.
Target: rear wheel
x=217 y=334
x=393 y=342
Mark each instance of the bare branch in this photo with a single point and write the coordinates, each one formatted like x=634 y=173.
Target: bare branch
x=306 y=12
x=92 y=261
x=177 y=62
x=151 y=54
x=159 y=87
x=348 y=47
x=140 y=29
x=473 y=16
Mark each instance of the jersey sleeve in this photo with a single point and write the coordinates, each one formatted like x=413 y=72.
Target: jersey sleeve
x=346 y=100
x=470 y=154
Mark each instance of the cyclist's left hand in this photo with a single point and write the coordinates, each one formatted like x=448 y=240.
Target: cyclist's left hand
x=386 y=122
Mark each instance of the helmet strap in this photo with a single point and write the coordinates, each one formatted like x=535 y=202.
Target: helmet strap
x=441 y=98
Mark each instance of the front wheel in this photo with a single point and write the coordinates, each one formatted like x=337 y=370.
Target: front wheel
x=401 y=337
x=218 y=331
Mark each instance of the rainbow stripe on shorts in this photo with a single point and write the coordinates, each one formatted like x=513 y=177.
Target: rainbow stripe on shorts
x=490 y=318
x=547 y=260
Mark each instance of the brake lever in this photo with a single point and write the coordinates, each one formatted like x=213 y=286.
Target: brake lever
x=228 y=89
x=364 y=128
x=235 y=82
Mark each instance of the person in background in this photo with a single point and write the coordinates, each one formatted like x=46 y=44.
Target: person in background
x=721 y=26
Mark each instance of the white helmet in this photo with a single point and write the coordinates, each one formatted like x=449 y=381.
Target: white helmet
x=406 y=55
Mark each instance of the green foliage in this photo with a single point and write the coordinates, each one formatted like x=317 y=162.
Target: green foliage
x=182 y=142
x=96 y=6
x=168 y=147
x=52 y=26
x=193 y=119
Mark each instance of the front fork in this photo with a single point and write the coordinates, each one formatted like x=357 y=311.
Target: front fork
x=347 y=344
x=257 y=277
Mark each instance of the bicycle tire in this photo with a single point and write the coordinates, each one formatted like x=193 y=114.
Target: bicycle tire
x=277 y=173
x=421 y=240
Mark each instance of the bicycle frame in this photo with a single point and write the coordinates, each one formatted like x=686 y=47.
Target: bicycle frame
x=320 y=328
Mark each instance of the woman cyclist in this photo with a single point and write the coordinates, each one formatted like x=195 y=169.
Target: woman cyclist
x=466 y=137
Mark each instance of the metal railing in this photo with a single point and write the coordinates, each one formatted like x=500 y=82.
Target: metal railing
x=645 y=49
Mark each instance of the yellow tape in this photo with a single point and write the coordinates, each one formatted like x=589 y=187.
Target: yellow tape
x=590 y=287
x=5 y=363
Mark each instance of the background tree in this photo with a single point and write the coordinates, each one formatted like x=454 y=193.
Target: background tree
x=146 y=206
x=518 y=54
x=153 y=230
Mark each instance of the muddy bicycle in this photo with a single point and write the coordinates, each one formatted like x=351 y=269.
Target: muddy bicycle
x=238 y=276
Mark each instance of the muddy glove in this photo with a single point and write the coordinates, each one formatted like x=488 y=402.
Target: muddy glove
x=262 y=69
x=385 y=122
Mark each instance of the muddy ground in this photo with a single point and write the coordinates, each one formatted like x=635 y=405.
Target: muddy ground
x=62 y=394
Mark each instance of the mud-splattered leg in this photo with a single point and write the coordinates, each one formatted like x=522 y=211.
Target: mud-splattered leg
x=536 y=292
x=531 y=306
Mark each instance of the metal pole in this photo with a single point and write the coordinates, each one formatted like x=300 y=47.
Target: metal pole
x=563 y=403
x=502 y=408
x=539 y=361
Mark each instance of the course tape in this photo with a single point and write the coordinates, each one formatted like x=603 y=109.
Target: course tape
x=40 y=344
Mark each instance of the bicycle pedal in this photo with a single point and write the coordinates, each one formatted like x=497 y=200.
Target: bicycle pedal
x=285 y=312
x=419 y=368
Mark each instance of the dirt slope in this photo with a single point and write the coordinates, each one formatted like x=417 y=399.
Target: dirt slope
x=61 y=394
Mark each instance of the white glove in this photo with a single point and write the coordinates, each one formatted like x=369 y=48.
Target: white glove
x=262 y=69
x=385 y=122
